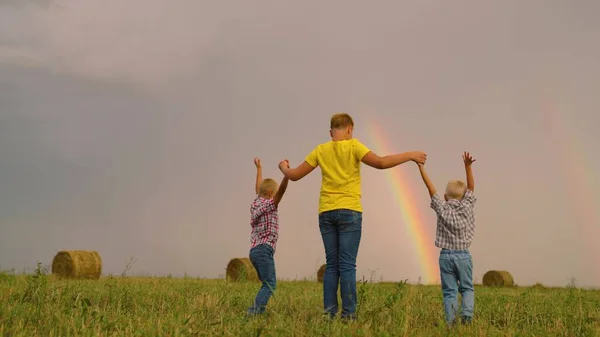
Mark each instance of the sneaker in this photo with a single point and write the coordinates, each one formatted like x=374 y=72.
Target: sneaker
x=328 y=317
x=252 y=312
x=346 y=318
x=451 y=324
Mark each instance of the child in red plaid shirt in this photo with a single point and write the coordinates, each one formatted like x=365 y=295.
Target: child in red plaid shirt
x=264 y=221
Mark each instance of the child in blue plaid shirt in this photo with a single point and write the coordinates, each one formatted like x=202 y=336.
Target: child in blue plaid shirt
x=454 y=234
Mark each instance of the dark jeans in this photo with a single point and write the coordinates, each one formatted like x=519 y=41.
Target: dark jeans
x=341 y=232
x=262 y=260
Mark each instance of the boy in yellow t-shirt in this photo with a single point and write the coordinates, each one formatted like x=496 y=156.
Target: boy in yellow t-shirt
x=340 y=210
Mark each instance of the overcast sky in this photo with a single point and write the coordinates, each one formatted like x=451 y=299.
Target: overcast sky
x=129 y=127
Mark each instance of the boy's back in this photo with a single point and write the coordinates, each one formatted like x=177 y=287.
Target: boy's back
x=340 y=169
x=455 y=221
x=264 y=221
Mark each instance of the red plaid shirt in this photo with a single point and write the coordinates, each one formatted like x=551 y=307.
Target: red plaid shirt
x=264 y=221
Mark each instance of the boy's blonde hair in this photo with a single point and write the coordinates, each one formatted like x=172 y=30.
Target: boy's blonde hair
x=266 y=186
x=456 y=189
x=341 y=120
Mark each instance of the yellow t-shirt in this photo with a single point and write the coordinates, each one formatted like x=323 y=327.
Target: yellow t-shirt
x=340 y=171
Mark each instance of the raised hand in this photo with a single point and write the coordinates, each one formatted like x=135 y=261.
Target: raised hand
x=468 y=159
x=257 y=162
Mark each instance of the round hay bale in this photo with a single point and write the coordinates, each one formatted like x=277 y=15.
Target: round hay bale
x=321 y=273
x=77 y=264
x=498 y=278
x=241 y=270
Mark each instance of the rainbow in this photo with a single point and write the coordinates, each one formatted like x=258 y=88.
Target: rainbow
x=580 y=181
x=417 y=229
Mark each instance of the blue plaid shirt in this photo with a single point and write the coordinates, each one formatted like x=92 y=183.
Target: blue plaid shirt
x=455 y=221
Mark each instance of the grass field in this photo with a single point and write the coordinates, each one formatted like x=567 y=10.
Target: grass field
x=37 y=305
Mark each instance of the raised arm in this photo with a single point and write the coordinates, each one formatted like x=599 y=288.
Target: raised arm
x=468 y=160
x=281 y=191
x=427 y=181
x=393 y=160
x=295 y=174
x=258 y=174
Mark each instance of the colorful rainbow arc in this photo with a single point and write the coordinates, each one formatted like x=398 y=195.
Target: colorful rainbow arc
x=417 y=229
x=580 y=183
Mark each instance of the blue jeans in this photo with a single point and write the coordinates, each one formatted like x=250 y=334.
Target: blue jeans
x=456 y=271
x=261 y=257
x=341 y=231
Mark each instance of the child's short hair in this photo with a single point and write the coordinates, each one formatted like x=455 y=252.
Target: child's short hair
x=456 y=189
x=266 y=186
x=341 y=120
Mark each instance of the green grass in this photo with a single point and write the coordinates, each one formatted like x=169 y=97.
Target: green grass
x=37 y=305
